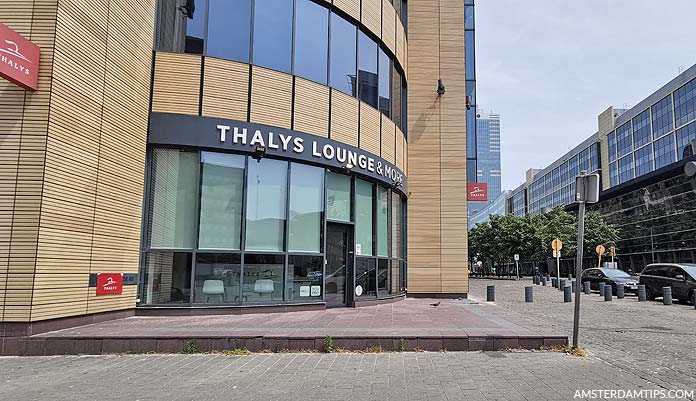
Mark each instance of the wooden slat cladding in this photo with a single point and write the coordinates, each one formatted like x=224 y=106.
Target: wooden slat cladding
x=311 y=108
x=177 y=83
x=369 y=128
x=388 y=140
x=24 y=126
x=437 y=225
x=389 y=25
x=400 y=154
x=351 y=7
x=401 y=46
x=79 y=151
x=271 y=97
x=225 y=89
x=344 y=118
x=372 y=15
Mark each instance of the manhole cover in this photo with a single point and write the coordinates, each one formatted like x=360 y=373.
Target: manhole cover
x=657 y=328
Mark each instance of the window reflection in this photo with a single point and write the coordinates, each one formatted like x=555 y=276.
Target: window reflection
x=265 y=220
x=366 y=277
x=273 y=34
x=263 y=278
x=343 y=53
x=367 y=69
x=195 y=29
x=229 y=27
x=306 y=277
x=311 y=41
x=385 y=68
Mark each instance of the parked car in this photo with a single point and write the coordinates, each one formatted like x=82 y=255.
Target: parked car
x=680 y=276
x=610 y=276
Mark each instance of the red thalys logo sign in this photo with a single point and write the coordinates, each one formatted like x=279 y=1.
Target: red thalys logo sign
x=477 y=191
x=109 y=284
x=19 y=59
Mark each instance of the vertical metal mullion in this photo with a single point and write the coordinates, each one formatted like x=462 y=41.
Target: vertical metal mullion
x=196 y=221
x=292 y=45
x=252 y=15
x=324 y=232
x=286 y=235
x=242 y=243
x=328 y=56
x=205 y=27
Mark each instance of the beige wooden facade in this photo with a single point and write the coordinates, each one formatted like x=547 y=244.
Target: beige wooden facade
x=72 y=156
x=72 y=153
x=437 y=208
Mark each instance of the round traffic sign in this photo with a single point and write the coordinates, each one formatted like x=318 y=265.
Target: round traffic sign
x=600 y=249
x=556 y=244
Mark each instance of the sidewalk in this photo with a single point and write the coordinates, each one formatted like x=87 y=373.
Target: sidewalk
x=454 y=325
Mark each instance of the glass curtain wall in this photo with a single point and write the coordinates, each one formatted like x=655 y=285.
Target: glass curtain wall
x=226 y=229
x=300 y=37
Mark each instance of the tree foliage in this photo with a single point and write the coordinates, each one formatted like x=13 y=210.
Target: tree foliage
x=498 y=240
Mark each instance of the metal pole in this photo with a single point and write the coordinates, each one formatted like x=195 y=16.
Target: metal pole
x=599 y=260
x=558 y=266
x=517 y=268
x=578 y=270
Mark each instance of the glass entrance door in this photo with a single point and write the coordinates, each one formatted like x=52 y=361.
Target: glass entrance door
x=339 y=265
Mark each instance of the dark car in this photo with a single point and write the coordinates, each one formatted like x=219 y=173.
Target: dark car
x=613 y=277
x=680 y=276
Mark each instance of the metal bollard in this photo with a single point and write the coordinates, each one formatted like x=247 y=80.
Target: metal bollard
x=642 y=296
x=528 y=294
x=490 y=293
x=667 y=295
x=586 y=287
x=601 y=289
x=607 y=292
x=536 y=280
x=566 y=294
x=619 y=291
x=543 y=281
x=562 y=285
x=554 y=282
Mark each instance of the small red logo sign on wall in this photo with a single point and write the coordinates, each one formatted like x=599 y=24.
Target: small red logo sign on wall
x=477 y=191
x=109 y=284
x=19 y=59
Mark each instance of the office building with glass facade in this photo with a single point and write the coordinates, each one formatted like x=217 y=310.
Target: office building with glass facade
x=640 y=155
x=228 y=155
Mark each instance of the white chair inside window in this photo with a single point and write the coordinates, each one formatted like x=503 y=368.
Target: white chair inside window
x=264 y=286
x=214 y=288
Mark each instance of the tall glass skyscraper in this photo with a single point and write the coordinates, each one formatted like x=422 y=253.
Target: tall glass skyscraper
x=487 y=156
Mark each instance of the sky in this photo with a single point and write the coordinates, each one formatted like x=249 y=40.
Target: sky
x=549 y=67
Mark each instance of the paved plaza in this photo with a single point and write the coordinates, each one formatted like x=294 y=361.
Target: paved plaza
x=632 y=346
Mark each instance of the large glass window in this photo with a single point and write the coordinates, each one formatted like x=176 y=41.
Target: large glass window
x=263 y=278
x=684 y=137
x=641 y=129
x=613 y=174
x=385 y=68
x=366 y=276
x=685 y=103
x=306 y=279
x=222 y=190
x=363 y=217
x=611 y=145
x=195 y=29
x=662 y=117
x=664 y=151
x=470 y=55
x=367 y=69
x=265 y=220
x=172 y=199
x=626 y=169
x=471 y=133
x=337 y=196
x=382 y=221
x=644 y=160
x=273 y=34
x=306 y=208
x=624 y=139
x=343 y=53
x=396 y=227
x=217 y=279
x=167 y=278
x=383 y=277
x=311 y=41
x=397 y=99
x=469 y=17
x=229 y=28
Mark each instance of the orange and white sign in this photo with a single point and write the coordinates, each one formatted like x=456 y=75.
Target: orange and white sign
x=19 y=59
x=477 y=191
